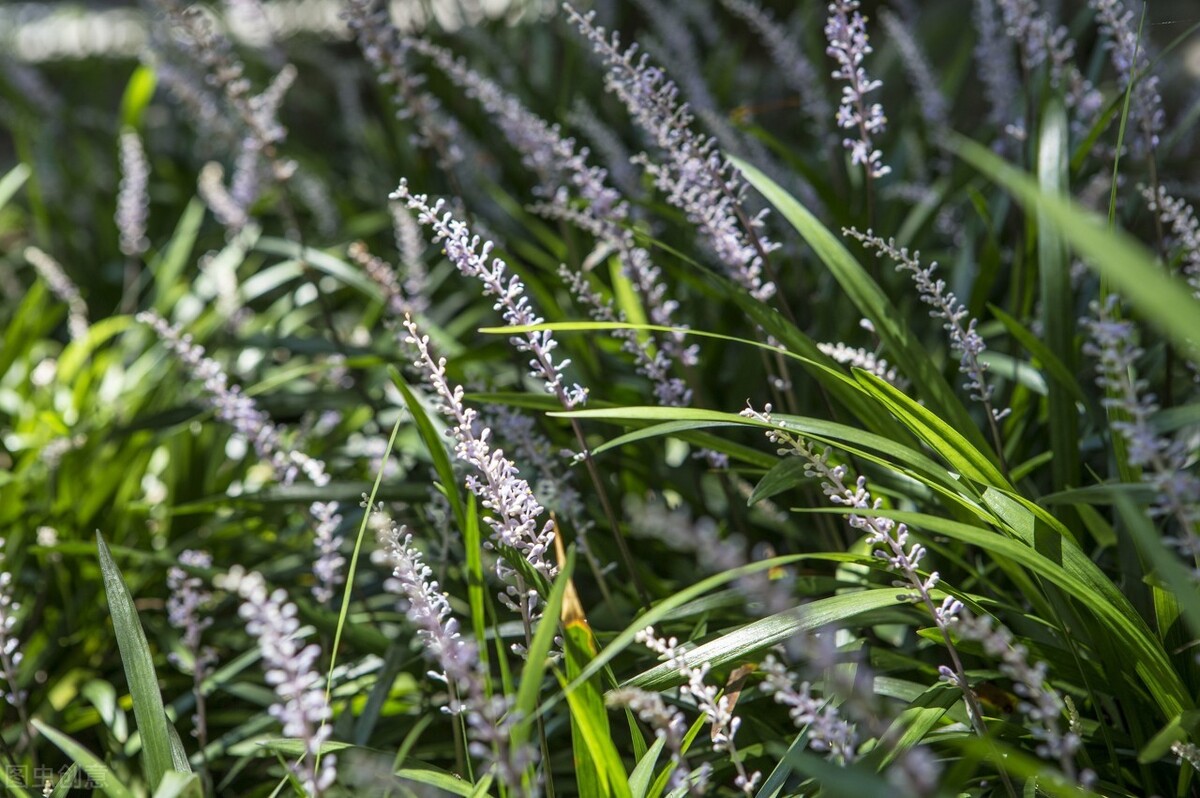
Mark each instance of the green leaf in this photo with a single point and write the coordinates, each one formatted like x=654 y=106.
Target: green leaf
x=138 y=93
x=1058 y=372
x=1165 y=562
x=410 y=769
x=12 y=181
x=1178 y=730
x=599 y=770
x=537 y=656
x=1144 y=659
x=750 y=640
x=321 y=261
x=148 y=708
x=473 y=548
x=97 y=772
x=179 y=785
x=168 y=266
x=784 y=475
x=939 y=435
x=639 y=779
x=433 y=443
x=904 y=350
x=1164 y=302
x=66 y=782
x=348 y=593
x=15 y=784
x=1058 y=311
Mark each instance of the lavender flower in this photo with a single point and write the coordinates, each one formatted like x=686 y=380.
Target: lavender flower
x=327 y=567
x=828 y=732
x=888 y=539
x=542 y=146
x=797 y=72
x=670 y=391
x=1187 y=752
x=668 y=724
x=513 y=509
x=1040 y=702
x=197 y=36
x=1041 y=42
x=846 y=31
x=701 y=538
x=1113 y=342
x=470 y=256
x=187 y=599
x=411 y=245
x=717 y=710
x=964 y=338
x=10 y=645
x=301 y=708
x=211 y=186
x=1181 y=219
x=184 y=604
x=383 y=275
x=609 y=145
x=1131 y=61
x=554 y=487
x=558 y=164
x=920 y=73
x=693 y=175
x=62 y=287
x=133 y=203
x=241 y=412
x=232 y=406
x=866 y=360
x=198 y=103
x=488 y=719
x=387 y=53
x=996 y=69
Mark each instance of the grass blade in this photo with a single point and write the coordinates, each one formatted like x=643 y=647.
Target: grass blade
x=104 y=778
x=148 y=708
x=1165 y=303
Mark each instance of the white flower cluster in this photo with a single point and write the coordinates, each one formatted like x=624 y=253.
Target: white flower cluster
x=470 y=254
x=849 y=45
x=701 y=538
x=864 y=359
x=1040 y=42
x=557 y=162
x=694 y=175
x=133 y=203
x=383 y=47
x=934 y=110
x=669 y=725
x=62 y=287
x=187 y=600
x=997 y=71
x=10 y=645
x=964 y=338
x=1132 y=61
x=290 y=670
x=427 y=608
x=1164 y=461
x=514 y=511
x=828 y=732
x=1040 y=702
x=249 y=421
x=717 y=708
x=1181 y=218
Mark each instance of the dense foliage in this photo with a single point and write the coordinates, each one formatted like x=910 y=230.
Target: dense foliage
x=519 y=407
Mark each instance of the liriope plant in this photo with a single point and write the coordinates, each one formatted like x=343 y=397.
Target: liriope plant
x=590 y=406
